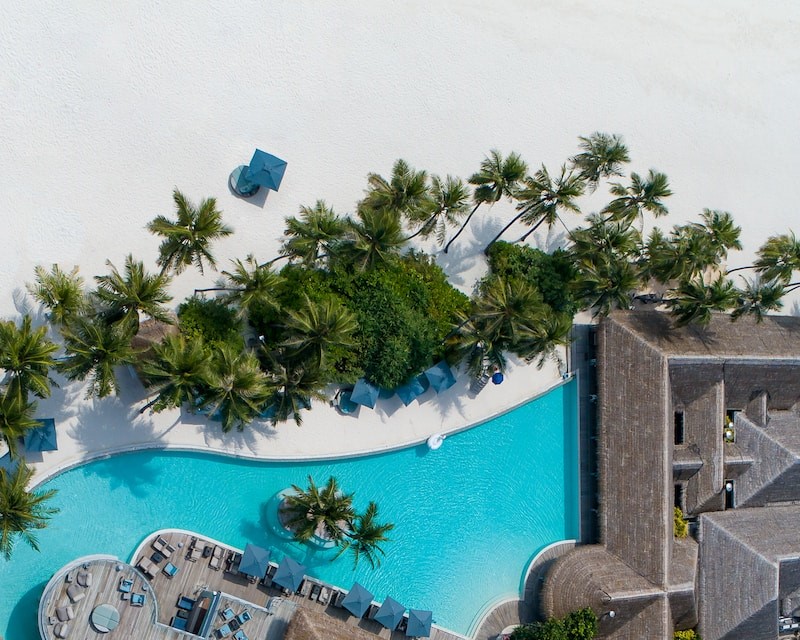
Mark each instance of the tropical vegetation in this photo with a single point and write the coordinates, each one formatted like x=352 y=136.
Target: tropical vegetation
x=578 y=625
x=22 y=512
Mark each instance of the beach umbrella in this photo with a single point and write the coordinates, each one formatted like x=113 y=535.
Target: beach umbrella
x=497 y=377
x=440 y=376
x=43 y=437
x=410 y=390
x=357 y=600
x=364 y=393
x=266 y=170
x=390 y=614
x=255 y=561
x=419 y=623
x=289 y=574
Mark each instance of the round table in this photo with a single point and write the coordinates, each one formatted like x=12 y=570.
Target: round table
x=239 y=183
x=105 y=618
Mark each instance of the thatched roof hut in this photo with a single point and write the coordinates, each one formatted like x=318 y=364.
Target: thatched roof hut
x=310 y=625
x=152 y=332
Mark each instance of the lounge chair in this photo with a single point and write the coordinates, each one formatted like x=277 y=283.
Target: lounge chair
x=170 y=570
x=69 y=577
x=138 y=599
x=373 y=609
x=185 y=603
x=240 y=635
x=125 y=584
x=178 y=623
x=65 y=614
x=324 y=595
x=227 y=614
x=61 y=630
x=315 y=589
x=147 y=566
x=216 y=559
x=75 y=593
x=84 y=579
x=223 y=632
x=273 y=604
x=243 y=617
x=195 y=552
x=304 y=587
x=163 y=547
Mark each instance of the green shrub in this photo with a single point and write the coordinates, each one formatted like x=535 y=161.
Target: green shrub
x=689 y=634
x=581 y=624
x=680 y=526
x=211 y=320
x=578 y=625
x=552 y=629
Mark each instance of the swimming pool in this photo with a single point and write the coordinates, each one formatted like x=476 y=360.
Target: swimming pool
x=468 y=517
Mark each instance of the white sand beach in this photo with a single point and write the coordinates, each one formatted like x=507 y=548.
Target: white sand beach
x=109 y=106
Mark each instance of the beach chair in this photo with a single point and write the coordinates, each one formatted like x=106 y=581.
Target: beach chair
x=227 y=614
x=223 y=632
x=138 y=599
x=373 y=609
x=243 y=617
x=75 y=594
x=169 y=570
x=185 y=603
x=304 y=587
x=216 y=559
x=147 y=566
x=240 y=635
x=163 y=547
x=84 y=579
x=273 y=604
x=324 y=595
x=61 y=630
x=178 y=623
x=315 y=589
x=65 y=614
x=125 y=585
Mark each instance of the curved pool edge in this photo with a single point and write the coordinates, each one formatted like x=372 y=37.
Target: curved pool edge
x=100 y=454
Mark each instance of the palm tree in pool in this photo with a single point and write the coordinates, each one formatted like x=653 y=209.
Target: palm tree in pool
x=318 y=327
x=93 y=350
x=365 y=537
x=602 y=156
x=497 y=177
x=16 y=419
x=375 y=238
x=405 y=193
x=61 y=293
x=758 y=298
x=22 y=512
x=187 y=240
x=450 y=197
x=643 y=195
x=295 y=385
x=178 y=371
x=541 y=201
x=27 y=357
x=322 y=512
x=314 y=236
x=123 y=297
x=237 y=388
x=693 y=301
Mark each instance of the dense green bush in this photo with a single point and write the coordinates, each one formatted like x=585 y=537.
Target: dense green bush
x=680 y=526
x=689 y=634
x=578 y=625
x=211 y=320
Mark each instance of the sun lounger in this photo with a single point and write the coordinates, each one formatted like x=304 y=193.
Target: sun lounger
x=163 y=547
x=337 y=598
x=273 y=604
x=138 y=599
x=315 y=589
x=65 y=614
x=69 y=577
x=373 y=609
x=178 y=623
x=240 y=635
x=147 y=566
x=227 y=614
x=185 y=603
x=75 y=593
x=125 y=584
x=61 y=630
x=223 y=632
x=84 y=579
x=216 y=559
x=324 y=595
x=169 y=570
x=243 y=617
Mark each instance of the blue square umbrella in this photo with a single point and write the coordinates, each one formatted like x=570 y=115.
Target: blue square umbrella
x=266 y=170
x=289 y=574
x=390 y=614
x=43 y=437
x=357 y=600
x=419 y=623
x=255 y=561
x=440 y=376
x=364 y=393
x=410 y=390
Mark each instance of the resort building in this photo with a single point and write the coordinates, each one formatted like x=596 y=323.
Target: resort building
x=707 y=420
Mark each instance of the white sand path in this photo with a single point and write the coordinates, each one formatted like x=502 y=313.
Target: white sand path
x=108 y=106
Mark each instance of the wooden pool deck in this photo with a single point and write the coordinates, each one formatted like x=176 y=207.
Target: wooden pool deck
x=152 y=621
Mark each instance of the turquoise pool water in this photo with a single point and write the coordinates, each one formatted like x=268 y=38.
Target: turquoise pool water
x=468 y=517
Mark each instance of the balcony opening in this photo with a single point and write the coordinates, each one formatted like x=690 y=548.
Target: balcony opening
x=679 y=430
x=729 y=489
x=679 y=488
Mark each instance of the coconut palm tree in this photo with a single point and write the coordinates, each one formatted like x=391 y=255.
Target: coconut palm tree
x=16 y=419
x=758 y=298
x=61 y=293
x=450 y=199
x=375 y=238
x=22 y=512
x=186 y=240
x=178 y=371
x=542 y=199
x=606 y=282
x=317 y=327
x=324 y=512
x=27 y=357
x=721 y=232
x=295 y=385
x=503 y=310
x=643 y=195
x=249 y=284
x=365 y=537
x=496 y=178
x=123 y=298
x=602 y=236
x=778 y=258
x=693 y=301
x=314 y=236
x=93 y=350
x=236 y=389
x=405 y=193
x=481 y=350
x=540 y=341
x=602 y=156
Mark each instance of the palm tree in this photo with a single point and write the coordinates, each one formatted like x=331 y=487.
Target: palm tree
x=317 y=327
x=123 y=298
x=643 y=194
x=94 y=349
x=365 y=537
x=187 y=239
x=541 y=199
x=60 y=293
x=375 y=238
x=16 y=419
x=471 y=342
x=778 y=257
x=504 y=310
x=693 y=301
x=405 y=193
x=315 y=235
x=758 y=298
x=541 y=340
x=603 y=236
x=318 y=512
x=721 y=232
x=249 y=284
x=296 y=385
x=602 y=156
x=178 y=372
x=497 y=178
x=22 y=512
x=606 y=282
x=27 y=357
x=450 y=199
x=237 y=388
